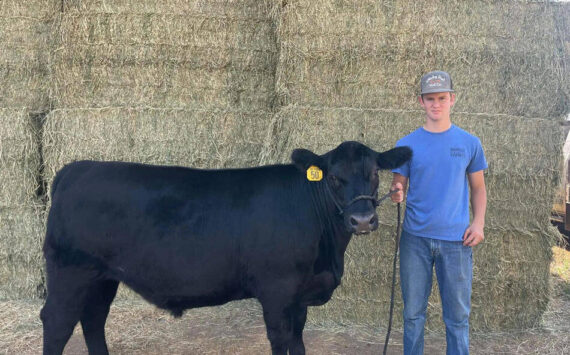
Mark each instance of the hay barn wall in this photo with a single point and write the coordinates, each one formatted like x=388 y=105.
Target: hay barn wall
x=228 y=83
x=197 y=53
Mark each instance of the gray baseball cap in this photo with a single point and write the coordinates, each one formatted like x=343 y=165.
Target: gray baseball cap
x=436 y=81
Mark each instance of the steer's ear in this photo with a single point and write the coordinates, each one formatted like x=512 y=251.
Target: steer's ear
x=394 y=158
x=303 y=159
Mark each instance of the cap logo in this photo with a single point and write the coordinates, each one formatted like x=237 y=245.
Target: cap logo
x=435 y=81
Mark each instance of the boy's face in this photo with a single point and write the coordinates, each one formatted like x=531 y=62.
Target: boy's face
x=437 y=105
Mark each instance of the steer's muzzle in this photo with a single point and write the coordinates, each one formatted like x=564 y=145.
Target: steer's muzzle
x=363 y=223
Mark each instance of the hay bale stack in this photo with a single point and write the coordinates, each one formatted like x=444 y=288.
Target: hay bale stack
x=510 y=288
x=524 y=167
x=193 y=138
x=236 y=8
x=21 y=260
x=24 y=39
x=371 y=55
x=20 y=213
x=19 y=159
x=562 y=23
x=194 y=54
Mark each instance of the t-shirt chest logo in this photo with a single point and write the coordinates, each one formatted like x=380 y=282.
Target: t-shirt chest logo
x=457 y=152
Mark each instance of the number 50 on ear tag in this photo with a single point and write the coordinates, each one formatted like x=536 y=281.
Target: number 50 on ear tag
x=314 y=173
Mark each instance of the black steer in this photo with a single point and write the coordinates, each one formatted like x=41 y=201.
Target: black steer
x=185 y=238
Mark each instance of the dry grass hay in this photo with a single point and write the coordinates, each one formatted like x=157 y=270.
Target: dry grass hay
x=24 y=36
x=19 y=159
x=38 y=9
x=20 y=211
x=234 y=8
x=21 y=260
x=506 y=54
x=179 y=59
x=511 y=279
x=193 y=138
x=524 y=157
x=24 y=61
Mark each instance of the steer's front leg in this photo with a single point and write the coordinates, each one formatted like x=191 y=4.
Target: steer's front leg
x=285 y=326
x=284 y=317
x=278 y=325
x=298 y=318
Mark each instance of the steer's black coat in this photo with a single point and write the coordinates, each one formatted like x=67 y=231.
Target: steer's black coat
x=185 y=238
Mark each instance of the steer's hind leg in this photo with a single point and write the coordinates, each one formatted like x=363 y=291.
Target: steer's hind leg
x=66 y=288
x=97 y=305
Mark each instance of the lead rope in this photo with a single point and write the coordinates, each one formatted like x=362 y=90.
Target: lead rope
x=393 y=281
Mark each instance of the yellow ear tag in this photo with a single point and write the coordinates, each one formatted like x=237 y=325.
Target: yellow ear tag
x=314 y=173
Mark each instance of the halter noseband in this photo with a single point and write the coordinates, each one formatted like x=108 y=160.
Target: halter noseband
x=375 y=202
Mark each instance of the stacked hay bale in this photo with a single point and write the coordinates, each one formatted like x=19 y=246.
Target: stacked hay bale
x=189 y=137
x=24 y=38
x=371 y=54
x=206 y=54
x=176 y=82
x=154 y=82
x=351 y=71
x=20 y=212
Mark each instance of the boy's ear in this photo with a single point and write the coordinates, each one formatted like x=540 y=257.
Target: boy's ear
x=394 y=158
x=304 y=158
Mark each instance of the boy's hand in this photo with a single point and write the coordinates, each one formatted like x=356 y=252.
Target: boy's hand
x=473 y=235
x=397 y=196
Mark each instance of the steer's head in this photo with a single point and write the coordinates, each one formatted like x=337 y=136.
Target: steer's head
x=350 y=179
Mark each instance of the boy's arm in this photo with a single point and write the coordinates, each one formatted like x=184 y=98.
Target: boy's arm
x=398 y=182
x=474 y=233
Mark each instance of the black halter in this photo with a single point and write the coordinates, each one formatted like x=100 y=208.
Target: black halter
x=375 y=202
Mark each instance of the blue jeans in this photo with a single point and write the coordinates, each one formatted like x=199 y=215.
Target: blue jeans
x=454 y=271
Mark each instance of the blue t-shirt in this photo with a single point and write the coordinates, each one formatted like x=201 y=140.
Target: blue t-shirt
x=437 y=203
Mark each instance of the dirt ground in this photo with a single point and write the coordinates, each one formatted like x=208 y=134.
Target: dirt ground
x=139 y=328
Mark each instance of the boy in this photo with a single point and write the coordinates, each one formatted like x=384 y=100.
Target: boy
x=436 y=231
